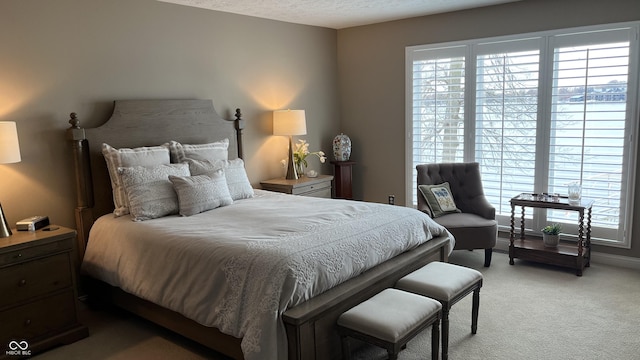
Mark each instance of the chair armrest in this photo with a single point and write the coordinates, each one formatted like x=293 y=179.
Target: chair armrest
x=482 y=207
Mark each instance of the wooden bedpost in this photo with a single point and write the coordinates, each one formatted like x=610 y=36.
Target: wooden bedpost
x=84 y=187
x=239 y=126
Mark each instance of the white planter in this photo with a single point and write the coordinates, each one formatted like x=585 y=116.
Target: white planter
x=550 y=240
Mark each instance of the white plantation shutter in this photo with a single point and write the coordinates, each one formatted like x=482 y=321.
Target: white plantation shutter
x=538 y=112
x=506 y=118
x=438 y=82
x=588 y=129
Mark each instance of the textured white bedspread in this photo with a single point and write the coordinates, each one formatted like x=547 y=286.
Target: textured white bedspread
x=239 y=267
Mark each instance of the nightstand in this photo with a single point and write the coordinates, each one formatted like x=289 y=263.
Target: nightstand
x=319 y=186
x=39 y=301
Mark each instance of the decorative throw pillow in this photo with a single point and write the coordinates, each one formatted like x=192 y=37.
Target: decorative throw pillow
x=149 y=191
x=201 y=192
x=237 y=180
x=218 y=150
x=439 y=199
x=235 y=173
x=199 y=167
x=125 y=157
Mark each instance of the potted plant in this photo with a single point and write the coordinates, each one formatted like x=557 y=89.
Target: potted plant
x=551 y=235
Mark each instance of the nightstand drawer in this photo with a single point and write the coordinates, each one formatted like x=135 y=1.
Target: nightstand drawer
x=322 y=193
x=38 y=318
x=319 y=186
x=34 y=278
x=307 y=189
x=32 y=252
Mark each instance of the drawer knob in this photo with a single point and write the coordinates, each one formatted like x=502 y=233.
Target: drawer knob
x=27 y=322
x=22 y=282
x=17 y=256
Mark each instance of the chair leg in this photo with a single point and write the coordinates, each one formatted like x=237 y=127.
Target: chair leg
x=487 y=257
x=474 y=310
x=445 y=332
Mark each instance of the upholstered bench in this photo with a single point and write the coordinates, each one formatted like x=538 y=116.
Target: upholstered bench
x=448 y=284
x=389 y=320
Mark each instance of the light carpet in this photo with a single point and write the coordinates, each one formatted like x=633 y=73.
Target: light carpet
x=527 y=311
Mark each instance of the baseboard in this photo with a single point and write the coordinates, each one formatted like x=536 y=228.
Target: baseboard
x=502 y=245
x=615 y=260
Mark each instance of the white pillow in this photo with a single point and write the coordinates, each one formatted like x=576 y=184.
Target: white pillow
x=218 y=150
x=201 y=192
x=149 y=191
x=125 y=157
x=237 y=180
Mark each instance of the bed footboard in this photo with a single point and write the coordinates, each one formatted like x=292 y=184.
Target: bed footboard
x=311 y=326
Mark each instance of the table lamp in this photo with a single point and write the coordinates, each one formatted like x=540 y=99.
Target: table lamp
x=9 y=153
x=289 y=123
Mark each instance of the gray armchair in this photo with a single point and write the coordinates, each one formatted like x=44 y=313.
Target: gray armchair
x=475 y=226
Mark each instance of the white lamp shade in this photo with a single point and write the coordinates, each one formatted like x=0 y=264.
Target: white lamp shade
x=289 y=122
x=9 y=145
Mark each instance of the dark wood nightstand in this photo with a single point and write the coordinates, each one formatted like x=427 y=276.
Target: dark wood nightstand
x=39 y=301
x=319 y=186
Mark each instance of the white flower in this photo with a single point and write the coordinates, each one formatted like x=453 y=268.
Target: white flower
x=301 y=151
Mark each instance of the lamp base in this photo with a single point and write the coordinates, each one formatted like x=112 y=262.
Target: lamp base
x=292 y=173
x=5 y=230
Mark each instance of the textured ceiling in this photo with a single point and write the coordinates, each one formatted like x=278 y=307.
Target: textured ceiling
x=336 y=14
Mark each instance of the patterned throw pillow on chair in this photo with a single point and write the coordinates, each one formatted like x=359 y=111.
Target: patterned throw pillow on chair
x=439 y=199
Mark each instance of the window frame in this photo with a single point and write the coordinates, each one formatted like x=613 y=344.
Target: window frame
x=546 y=71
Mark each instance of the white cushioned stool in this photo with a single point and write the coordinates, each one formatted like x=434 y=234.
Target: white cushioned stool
x=447 y=283
x=389 y=320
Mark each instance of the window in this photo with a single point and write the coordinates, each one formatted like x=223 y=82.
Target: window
x=538 y=112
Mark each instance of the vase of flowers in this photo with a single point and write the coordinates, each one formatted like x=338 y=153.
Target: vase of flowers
x=300 y=153
x=551 y=235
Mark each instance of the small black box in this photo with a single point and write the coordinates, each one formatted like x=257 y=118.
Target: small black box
x=33 y=223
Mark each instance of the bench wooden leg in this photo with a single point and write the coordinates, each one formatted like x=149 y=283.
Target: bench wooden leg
x=435 y=340
x=474 y=310
x=445 y=332
x=346 y=348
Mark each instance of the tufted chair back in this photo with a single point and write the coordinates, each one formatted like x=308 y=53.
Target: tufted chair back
x=465 y=183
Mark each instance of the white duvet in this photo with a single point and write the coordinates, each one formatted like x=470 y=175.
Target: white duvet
x=239 y=267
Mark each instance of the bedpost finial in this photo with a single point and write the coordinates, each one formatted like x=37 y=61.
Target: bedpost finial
x=74 y=121
x=239 y=122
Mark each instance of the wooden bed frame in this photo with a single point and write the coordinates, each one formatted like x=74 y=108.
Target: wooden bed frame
x=310 y=326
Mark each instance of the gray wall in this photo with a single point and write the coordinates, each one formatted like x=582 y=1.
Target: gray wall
x=372 y=78
x=79 y=55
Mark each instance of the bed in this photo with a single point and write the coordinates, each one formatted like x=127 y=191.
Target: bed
x=322 y=265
